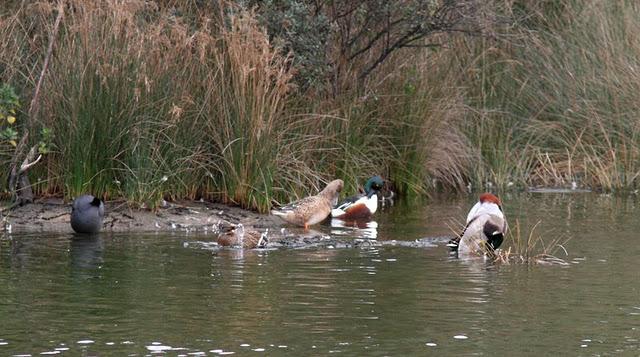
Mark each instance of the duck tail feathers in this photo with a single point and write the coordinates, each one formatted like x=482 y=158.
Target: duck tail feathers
x=278 y=213
x=96 y=202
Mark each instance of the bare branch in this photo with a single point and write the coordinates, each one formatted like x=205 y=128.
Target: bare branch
x=34 y=101
x=13 y=174
x=26 y=165
x=371 y=30
x=375 y=39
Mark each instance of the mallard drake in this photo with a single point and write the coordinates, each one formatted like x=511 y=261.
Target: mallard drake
x=360 y=205
x=485 y=229
x=240 y=237
x=313 y=209
x=87 y=213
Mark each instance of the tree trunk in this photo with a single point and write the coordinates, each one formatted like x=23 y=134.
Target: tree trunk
x=24 y=192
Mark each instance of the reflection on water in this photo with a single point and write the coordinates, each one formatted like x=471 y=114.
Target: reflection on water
x=148 y=294
x=366 y=229
x=86 y=251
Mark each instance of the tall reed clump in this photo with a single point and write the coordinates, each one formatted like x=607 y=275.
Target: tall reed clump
x=420 y=115
x=246 y=126
x=555 y=101
x=404 y=126
x=429 y=149
x=116 y=94
x=590 y=88
x=145 y=106
x=495 y=131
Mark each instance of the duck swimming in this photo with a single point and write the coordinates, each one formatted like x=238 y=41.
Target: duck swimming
x=87 y=213
x=313 y=209
x=485 y=229
x=361 y=205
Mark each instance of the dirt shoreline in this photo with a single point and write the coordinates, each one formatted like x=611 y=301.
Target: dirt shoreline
x=53 y=215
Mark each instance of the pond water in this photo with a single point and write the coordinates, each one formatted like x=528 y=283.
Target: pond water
x=173 y=294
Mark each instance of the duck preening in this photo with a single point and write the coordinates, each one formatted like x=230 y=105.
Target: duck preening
x=485 y=229
x=240 y=237
x=313 y=209
x=87 y=213
x=362 y=205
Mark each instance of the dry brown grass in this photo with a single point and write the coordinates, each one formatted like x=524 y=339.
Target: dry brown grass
x=531 y=248
x=148 y=103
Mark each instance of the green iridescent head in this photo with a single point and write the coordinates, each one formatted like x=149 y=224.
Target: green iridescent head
x=373 y=185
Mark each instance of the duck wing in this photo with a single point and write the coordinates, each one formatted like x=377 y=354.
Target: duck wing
x=455 y=241
x=296 y=205
x=349 y=201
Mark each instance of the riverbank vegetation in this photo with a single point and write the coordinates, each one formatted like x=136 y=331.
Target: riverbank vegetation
x=255 y=103
x=531 y=248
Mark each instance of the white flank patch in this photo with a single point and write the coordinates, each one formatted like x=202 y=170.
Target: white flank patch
x=337 y=212
x=372 y=203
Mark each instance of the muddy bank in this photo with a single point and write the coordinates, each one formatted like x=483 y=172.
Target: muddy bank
x=204 y=218
x=53 y=215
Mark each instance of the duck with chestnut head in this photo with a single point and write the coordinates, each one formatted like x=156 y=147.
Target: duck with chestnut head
x=485 y=228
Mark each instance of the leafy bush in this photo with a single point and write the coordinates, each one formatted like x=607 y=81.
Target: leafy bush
x=9 y=104
x=295 y=27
